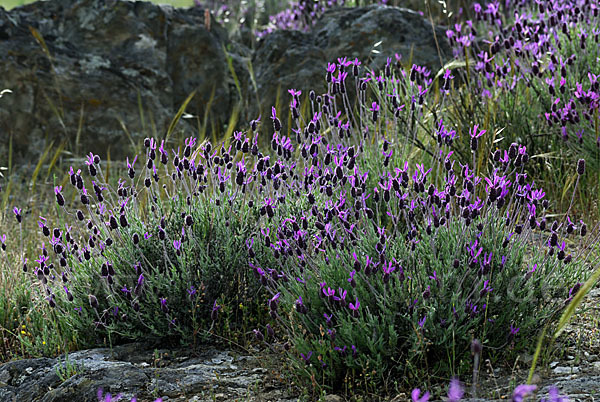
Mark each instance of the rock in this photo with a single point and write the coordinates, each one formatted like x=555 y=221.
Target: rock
x=565 y=370
x=376 y=32
x=576 y=389
x=293 y=59
x=536 y=379
x=95 y=63
x=103 y=75
x=138 y=370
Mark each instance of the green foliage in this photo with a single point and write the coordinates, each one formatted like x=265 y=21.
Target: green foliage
x=211 y=261
x=389 y=335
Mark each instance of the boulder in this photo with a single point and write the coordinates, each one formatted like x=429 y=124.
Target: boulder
x=101 y=75
x=298 y=60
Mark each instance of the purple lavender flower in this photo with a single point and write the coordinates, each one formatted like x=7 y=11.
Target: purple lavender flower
x=300 y=307
x=306 y=357
x=254 y=123
x=351 y=279
x=215 y=311
x=274 y=302
x=91 y=160
x=554 y=396
x=276 y=122
x=343 y=351
x=375 y=109
x=18 y=216
x=108 y=397
x=513 y=331
x=416 y=395
x=486 y=289
x=130 y=167
x=177 y=246
x=354 y=307
x=455 y=391
x=475 y=134
x=522 y=391
x=163 y=305
x=59 y=197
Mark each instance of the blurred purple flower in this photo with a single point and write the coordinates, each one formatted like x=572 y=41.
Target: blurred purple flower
x=522 y=391
x=416 y=396
x=455 y=391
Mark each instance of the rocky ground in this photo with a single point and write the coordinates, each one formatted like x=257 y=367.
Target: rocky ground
x=573 y=364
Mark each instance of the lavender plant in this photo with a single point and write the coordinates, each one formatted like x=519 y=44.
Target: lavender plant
x=161 y=254
x=533 y=68
x=378 y=280
x=368 y=274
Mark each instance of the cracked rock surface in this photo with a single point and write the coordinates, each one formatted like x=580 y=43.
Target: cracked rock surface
x=136 y=369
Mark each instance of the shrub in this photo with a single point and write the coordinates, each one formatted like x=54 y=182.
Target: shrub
x=379 y=281
x=383 y=238
x=533 y=79
x=160 y=255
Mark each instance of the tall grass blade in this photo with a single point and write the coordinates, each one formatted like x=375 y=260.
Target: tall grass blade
x=56 y=111
x=40 y=39
x=38 y=167
x=570 y=310
x=232 y=71
x=536 y=355
x=125 y=130
x=54 y=159
x=141 y=110
x=206 y=112
x=10 y=176
x=233 y=119
x=79 y=130
x=253 y=81
x=6 y=191
x=178 y=115
x=568 y=185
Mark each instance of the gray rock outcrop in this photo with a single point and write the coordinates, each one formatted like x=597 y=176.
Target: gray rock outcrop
x=139 y=370
x=101 y=75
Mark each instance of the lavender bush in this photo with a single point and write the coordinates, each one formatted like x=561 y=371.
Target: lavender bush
x=376 y=280
x=533 y=71
x=159 y=255
x=374 y=240
x=368 y=274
